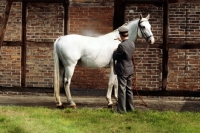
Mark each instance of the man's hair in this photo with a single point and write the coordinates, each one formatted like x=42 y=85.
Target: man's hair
x=124 y=34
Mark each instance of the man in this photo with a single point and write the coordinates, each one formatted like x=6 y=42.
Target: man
x=124 y=70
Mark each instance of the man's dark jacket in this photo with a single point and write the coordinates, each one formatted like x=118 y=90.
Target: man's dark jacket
x=123 y=55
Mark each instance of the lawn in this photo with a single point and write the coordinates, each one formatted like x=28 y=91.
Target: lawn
x=16 y=119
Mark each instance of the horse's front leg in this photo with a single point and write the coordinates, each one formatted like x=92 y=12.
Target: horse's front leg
x=112 y=83
x=116 y=89
x=108 y=95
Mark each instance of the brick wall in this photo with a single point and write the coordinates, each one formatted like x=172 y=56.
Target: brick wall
x=184 y=64
x=44 y=22
x=10 y=60
x=184 y=23
x=10 y=68
x=90 y=78
x=148 y=68
x=91 y=21
x=14 y=28
x=184 y=69
x=40 y=64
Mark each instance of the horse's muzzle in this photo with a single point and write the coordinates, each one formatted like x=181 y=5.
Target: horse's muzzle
x=151 y=40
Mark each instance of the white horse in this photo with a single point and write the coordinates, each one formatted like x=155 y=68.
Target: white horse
x=92 y=52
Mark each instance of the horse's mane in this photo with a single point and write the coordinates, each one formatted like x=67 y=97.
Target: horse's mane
x=125 y=24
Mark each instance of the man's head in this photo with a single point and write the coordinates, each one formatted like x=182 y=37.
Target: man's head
x=123 y=31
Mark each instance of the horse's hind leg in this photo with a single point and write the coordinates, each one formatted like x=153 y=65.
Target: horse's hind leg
x=57 y=91
x=67 y=81
x=108 y=95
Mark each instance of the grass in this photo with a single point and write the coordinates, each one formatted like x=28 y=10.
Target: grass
x=16 y=119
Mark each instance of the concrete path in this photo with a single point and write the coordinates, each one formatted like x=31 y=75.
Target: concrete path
x=153 y=103
x=49 y=101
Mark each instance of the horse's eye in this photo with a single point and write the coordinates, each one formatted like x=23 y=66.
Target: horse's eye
x=143 y=27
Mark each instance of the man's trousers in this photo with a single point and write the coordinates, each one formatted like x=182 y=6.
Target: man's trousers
x=125 y=94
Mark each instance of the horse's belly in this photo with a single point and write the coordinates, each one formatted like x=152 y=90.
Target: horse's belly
x=90 y=63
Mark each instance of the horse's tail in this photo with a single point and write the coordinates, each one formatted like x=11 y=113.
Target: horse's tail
x=56 y=72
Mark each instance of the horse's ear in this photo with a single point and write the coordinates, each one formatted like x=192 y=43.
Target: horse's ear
x=148 y=16
x=140 y=16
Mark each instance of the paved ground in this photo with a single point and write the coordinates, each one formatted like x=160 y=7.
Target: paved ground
x=49 y=101
x=44 y=98
x=156 y=103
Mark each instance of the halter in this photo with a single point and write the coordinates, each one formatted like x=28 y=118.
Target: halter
x=142 y=31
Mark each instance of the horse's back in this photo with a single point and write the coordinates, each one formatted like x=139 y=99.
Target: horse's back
x=91 y=52
x=76 y=42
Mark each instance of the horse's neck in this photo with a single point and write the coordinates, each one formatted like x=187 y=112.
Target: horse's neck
x=133 y=30
x=112 y=35
x=111 y=38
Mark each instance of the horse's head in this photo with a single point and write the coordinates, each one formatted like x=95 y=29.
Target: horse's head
x=144 y=29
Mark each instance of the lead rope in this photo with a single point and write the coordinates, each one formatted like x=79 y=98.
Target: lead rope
x=134 y=84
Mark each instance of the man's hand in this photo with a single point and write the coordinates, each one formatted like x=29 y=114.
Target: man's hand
x=119 y=39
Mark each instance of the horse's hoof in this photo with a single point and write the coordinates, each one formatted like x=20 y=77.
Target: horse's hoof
x=73 y=106
x=110 y=105
x=60 y=107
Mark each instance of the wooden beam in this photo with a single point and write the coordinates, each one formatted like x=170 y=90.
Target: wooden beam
x=184 y=1
x=39 y=44
x=160 y=1
x=17 y=0
x=5 y=21
x=165 y=44
x=23 y=48
x=144 y=1
x=39 y=1
x=66 y=16
x=12 y=43
x=184 y=46
x=119 y=8
x=43 y=1
x=145 y=44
